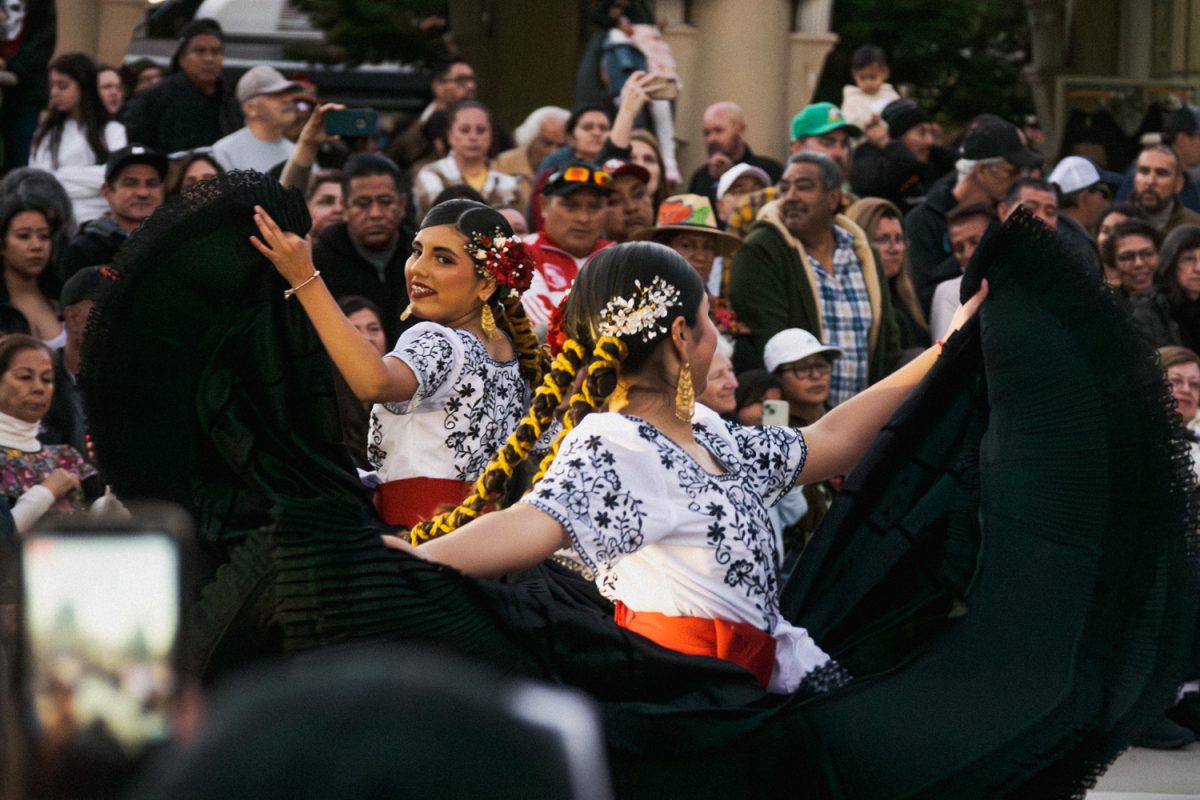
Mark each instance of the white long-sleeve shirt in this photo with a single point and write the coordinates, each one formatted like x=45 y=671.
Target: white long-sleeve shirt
x=76 y=167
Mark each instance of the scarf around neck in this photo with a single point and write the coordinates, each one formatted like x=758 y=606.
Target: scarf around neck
x=18 y=434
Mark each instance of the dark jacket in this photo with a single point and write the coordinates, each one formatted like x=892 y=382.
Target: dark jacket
x=1152 y=317
x=929 y=254
x=894 y=173
x=94 y=246
x=175 y=115
x=704 y=183
x=66 y=422
x=772 y=288
x=345 y=272
x=1071 y=233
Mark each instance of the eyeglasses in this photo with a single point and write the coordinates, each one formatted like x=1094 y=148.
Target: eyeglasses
x=461 y=80
x=883 y=239
x=1102 y=190
x=1130 y=256
x=581 y=175
x=817 y=369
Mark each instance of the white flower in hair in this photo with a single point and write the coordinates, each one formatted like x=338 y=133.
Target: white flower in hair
x=643 y=313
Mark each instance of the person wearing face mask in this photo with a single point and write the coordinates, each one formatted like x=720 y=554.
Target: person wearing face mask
x=192 y=107
x=469 y=134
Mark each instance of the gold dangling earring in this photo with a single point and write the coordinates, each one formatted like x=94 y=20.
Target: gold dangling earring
x=406 y=313
x=685 y=394
x=487 y=321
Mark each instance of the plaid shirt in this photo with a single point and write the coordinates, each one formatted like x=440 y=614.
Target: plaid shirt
x=846 y=316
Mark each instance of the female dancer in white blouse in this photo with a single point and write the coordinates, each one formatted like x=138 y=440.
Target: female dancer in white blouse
x=453 y=387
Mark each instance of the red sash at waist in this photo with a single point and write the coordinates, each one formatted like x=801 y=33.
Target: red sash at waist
x=411 y=500
x=739 y=642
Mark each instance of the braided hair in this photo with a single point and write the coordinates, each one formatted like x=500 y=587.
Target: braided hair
x=611 y=273
x=618 y=272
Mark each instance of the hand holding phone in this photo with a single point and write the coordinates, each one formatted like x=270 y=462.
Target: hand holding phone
x=352 y=122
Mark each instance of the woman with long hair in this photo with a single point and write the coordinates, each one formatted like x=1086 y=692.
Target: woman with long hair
x=29 y=282
x=75 y=138
x=469 y=133
x=1179 y=282
x=454 y=386
x=884 y=226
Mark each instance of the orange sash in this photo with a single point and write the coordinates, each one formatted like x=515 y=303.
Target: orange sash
x=739 y=642
x=411 y=500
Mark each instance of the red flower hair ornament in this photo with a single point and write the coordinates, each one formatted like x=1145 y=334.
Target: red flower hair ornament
x=502 y=257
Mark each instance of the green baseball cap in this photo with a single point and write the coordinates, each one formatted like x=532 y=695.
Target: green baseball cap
x=820 y=118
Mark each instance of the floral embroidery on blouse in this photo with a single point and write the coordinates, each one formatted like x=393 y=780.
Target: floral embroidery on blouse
x=478 y=400
x=614 y=497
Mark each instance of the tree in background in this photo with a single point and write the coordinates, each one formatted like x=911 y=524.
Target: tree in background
x=371 y=31
x=957 y=58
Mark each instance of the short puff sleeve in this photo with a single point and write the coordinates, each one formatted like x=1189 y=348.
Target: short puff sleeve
x=435 y=355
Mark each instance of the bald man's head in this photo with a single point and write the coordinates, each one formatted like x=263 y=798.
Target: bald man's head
x=724 y=129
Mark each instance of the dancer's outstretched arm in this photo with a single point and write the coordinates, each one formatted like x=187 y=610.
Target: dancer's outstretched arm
x=372 y=379
x=840 y=438
x=495 y=544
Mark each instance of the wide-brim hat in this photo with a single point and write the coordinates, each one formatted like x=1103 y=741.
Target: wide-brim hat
x=690 y=213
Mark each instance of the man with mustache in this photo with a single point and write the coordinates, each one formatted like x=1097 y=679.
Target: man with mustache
x=1158 y=178
x=804 y=266
x=725 y=141
x=267 y=101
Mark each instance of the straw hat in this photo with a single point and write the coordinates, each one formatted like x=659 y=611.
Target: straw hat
x=690 y=213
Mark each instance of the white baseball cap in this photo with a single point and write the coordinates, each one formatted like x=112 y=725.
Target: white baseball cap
x=793 y=344
x=1075 y=173
x=737 y=171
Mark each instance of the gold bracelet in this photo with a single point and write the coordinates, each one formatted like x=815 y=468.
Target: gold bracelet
x=287 y=293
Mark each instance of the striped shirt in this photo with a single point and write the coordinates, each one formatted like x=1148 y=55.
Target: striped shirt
x=846 y=317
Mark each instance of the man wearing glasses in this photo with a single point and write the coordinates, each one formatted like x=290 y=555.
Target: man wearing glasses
x=1083 y=193
x=574 y=200
x=452 y=81
x=365 y=254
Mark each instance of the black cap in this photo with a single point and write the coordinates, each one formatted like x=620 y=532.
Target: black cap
x=989 y=136
x=90 y=283
x=578 y=174
x=1185 y=119
x=135 y=154
x=902 y=115
x=197 y=27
